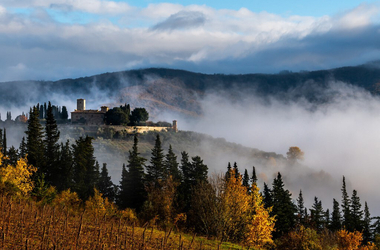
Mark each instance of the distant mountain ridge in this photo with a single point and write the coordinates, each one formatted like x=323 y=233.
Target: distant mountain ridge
x=161 y=89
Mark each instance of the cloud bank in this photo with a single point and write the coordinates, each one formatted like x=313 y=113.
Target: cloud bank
x=339 y=138
x=54 y=39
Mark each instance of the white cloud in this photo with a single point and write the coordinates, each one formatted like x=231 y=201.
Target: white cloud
x=167 y=34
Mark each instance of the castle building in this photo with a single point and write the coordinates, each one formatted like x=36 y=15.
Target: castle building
x=81 y=115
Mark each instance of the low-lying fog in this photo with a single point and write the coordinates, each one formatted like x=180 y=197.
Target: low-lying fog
x=341 y=137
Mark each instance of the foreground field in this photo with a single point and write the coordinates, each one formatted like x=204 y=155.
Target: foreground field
x=24 y=224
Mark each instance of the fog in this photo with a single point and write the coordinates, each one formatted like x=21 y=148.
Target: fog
x=340 y=137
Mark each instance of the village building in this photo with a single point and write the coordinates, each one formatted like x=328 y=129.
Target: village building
x=81 y=115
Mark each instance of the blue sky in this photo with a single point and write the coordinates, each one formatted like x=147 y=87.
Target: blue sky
x=54 y=39
x=290 y=7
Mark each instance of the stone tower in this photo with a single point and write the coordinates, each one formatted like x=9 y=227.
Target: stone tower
x=81 y=104
x=175 y=128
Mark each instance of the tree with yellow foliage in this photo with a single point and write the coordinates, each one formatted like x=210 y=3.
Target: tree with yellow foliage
x=244 y=217
x=19 y=176
x=349 y=240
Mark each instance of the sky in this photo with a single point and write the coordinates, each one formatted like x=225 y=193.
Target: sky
x=55 y=39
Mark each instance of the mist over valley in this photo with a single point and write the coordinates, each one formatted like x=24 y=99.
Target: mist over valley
x=332 y=115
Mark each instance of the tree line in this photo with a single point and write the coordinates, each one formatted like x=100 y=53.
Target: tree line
x=229 y=207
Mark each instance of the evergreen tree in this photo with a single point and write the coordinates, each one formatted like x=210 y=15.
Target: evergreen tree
x=105 y=184
x=156 y=169
x=51 y=169
x=1 y=139
x=300 y=209
x=346 y=207
x=246 y=179
x=65 y=164
x=199 y=170
x=5 y=142
x=171 y=165
x=236 y=170
x=317 y=214
x=327 y=218
x=336 y=221
x=367 y=236
x=356 y=212
x=132 y=189
x=85 y=169
x=267 y=196
x=34 y=141
x=64 y=114
x=229 y=171
x=254 y=177
x=22 y=148
x=283 y=207
x=12 y=155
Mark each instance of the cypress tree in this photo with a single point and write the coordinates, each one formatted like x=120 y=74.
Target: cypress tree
x=336 y=221
x=155 y=171
x=171 y=165
x=64 y=114
x=51 y=169
x=34 y=140
x=283 y=207
x=105 y=185
x=132 y=188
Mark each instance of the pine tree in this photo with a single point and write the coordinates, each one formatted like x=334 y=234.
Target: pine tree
x=22 y=149
x=246 y=180
x=1 y=139
x=236 y=170
x=356 y=212
x=156 y=170
x=12 y=156
x=85 y=169
x=65 y=163
x=283 y=207
x=327 y=218
x=367 y=236
x=199 y=170
x=132 y=188
x=300 y=208
x=267 y=196
x=171 y=165
x=105 y=185
x=5 y=142
x=346 y=207
x=34 y=141
x=229 y=171
x=336 y=221
x=254 y=177
x=317 y=214
x=52 y=133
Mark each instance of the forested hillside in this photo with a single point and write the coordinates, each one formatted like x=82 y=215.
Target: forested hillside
x=180 y=91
